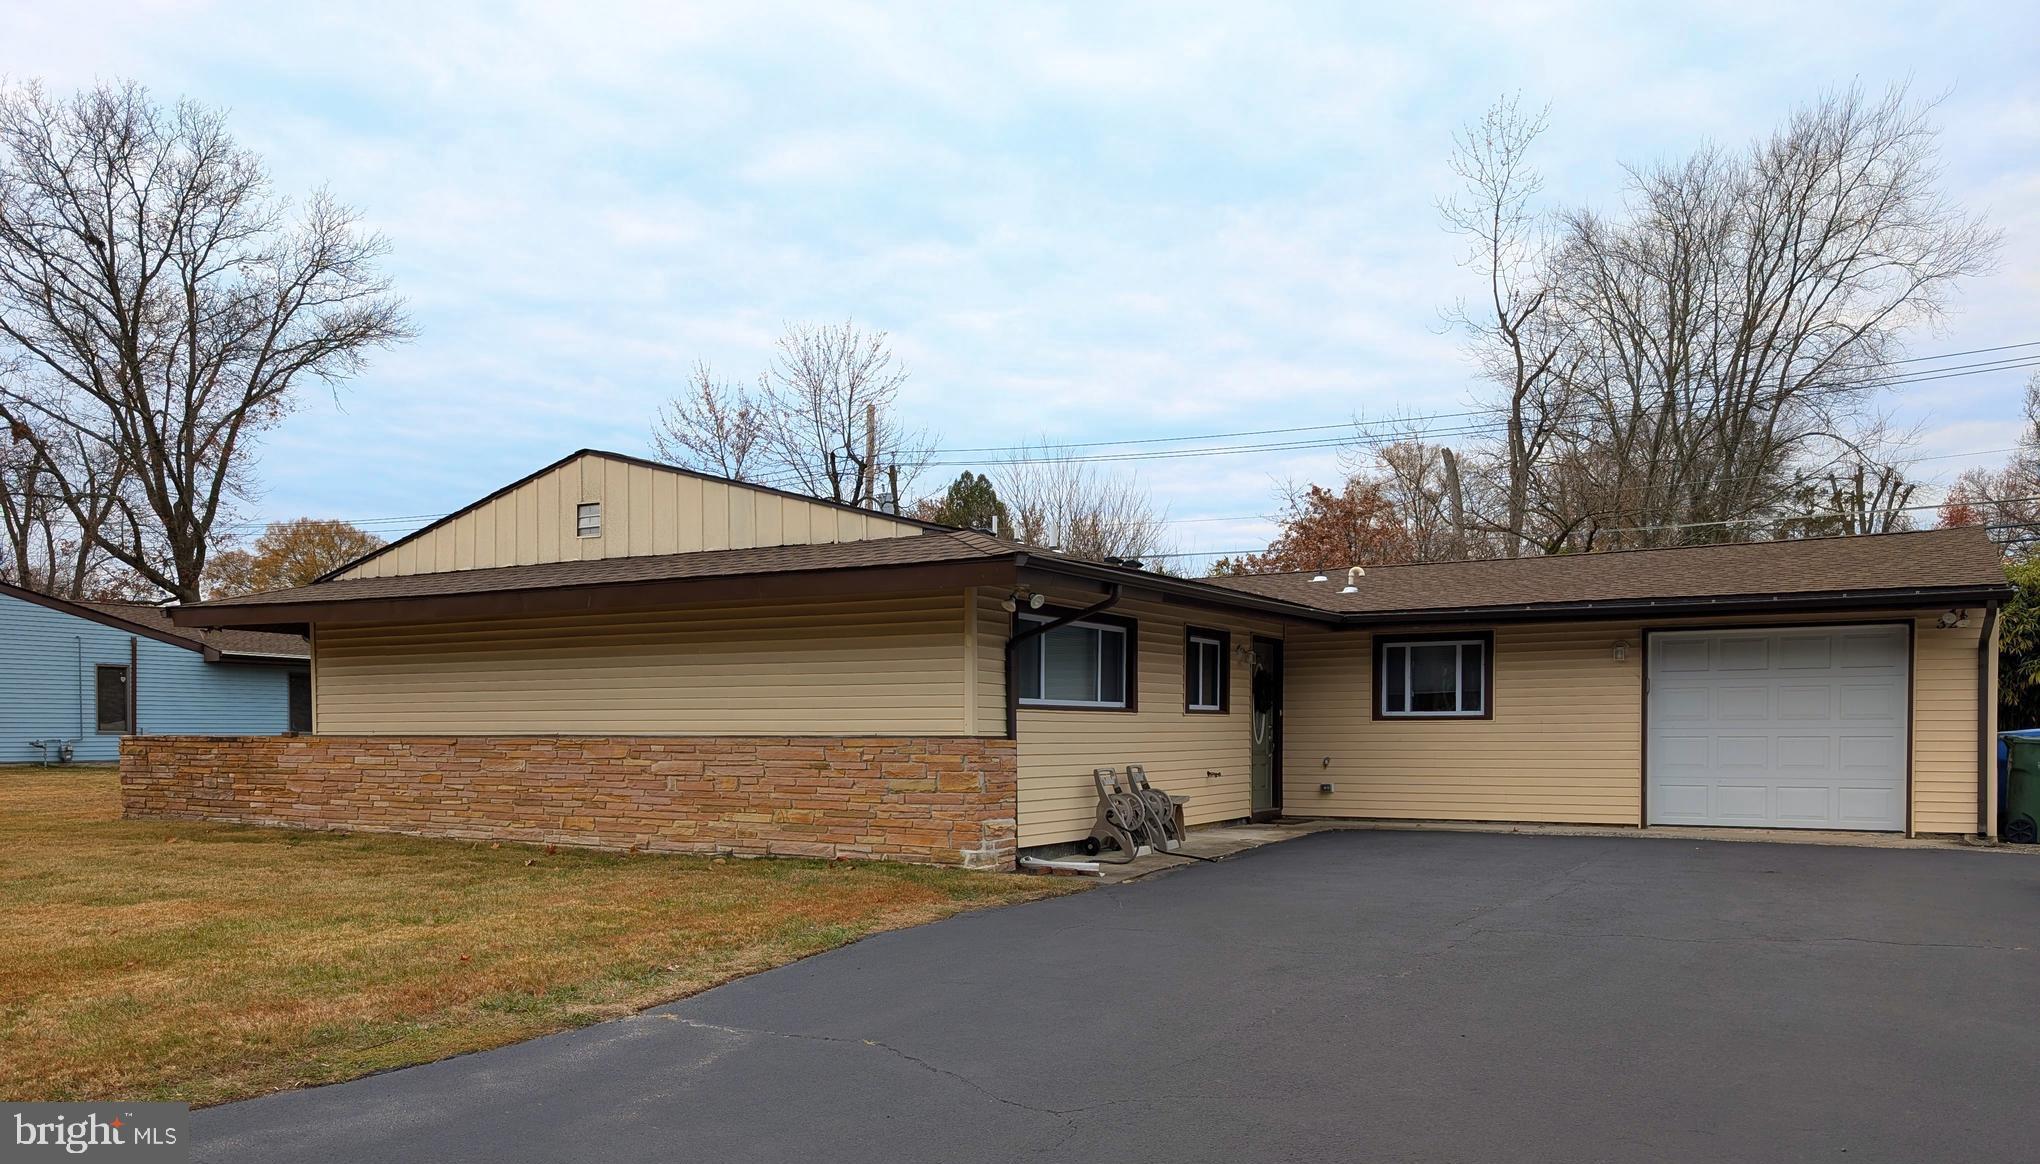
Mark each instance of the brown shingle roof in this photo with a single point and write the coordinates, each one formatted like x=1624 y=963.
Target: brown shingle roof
x=1951 y=559
x=924 y=549
x=226 y=641
x=1934 y=561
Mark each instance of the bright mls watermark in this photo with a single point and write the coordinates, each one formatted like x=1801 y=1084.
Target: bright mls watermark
x=94 y=1131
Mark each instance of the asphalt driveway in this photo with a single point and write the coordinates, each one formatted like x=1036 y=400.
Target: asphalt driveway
x=1346 y=996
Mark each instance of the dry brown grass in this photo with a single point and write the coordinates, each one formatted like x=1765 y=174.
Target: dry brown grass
x=196 y=962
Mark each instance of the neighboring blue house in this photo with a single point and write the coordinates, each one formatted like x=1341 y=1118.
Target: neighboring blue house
x=84 y=674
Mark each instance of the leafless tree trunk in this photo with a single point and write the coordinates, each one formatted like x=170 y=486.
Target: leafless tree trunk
x=1510 y=333
x=163 y=304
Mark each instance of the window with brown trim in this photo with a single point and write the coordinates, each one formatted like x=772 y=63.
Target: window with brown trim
x=1207 y=678
x=1442 y=676
x=1084 y=665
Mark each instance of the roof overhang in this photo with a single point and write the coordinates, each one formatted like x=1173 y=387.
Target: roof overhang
x=1175 y=591
x=590 y=598
x=1646 y=608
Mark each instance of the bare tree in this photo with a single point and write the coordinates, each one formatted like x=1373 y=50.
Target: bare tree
x=1745 y=313
x=1060 y=502
x=717 y=427
x=51 y=546
x=1511 y=333
x=824 y=421
x=1687 y=368
x=164 y=304
x=2007 y=499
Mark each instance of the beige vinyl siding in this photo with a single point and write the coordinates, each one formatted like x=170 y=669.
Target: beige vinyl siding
x=895 y=665
x=993 y=625
x=1182 y=751
x=645 y=510
x=1565 y=744
x=1944 y=726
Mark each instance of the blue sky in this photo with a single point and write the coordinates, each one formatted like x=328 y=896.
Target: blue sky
x=1091 y=222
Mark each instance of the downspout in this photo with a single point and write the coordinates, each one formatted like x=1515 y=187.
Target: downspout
x=134 y=686
x=1986 y=740
x=1032 y=631
x=79 y=687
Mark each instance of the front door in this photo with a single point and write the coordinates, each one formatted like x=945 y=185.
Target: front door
x=1265 y=716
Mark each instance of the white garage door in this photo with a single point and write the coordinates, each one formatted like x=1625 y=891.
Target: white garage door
x=1800 y=727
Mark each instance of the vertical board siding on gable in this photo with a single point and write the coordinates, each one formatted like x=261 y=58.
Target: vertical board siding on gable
x=46 y=686
x=1058 y=748
x=1565 y=743
x=645 y=510
x=891 y=665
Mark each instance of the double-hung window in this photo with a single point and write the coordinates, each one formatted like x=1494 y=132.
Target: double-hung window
x=1442 y=677
x=1084 y=664
x=1204 y=670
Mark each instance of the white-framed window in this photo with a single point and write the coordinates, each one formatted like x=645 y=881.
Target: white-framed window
x=1204 y=670
x=588 y=519
x=1081 y=664
x=1433 y=678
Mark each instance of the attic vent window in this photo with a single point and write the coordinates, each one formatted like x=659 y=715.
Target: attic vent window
x=588 y=519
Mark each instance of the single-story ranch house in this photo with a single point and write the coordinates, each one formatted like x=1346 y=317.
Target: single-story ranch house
x=77 y=677
x=615 y=652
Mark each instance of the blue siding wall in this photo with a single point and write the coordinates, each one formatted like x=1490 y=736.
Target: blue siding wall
x=46 y=685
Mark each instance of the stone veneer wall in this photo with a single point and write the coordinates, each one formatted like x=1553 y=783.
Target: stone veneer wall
x=943 y=800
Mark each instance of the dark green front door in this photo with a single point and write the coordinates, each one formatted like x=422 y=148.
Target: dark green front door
x=1265 y=693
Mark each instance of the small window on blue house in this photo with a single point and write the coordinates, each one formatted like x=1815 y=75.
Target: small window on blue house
x=300 y=701
x=111 y=686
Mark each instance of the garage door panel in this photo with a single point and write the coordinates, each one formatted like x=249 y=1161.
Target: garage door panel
x=1743 y=803
x=1872 y=753
x=1685 y=705
x=1865 y=651
x=1805 y=752
x=1683 y=803
x=1880 y=701
x=1748 y=753
x=1732 y=653
x=1800 y=727
x=1867 y=807
x=1681 y=656
x=1805 y=803
x=1813 y=701
x=1742 y=702
x=1806 y=652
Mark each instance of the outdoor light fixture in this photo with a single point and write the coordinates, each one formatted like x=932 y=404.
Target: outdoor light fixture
x=1012 y=601
x=1621 y=651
